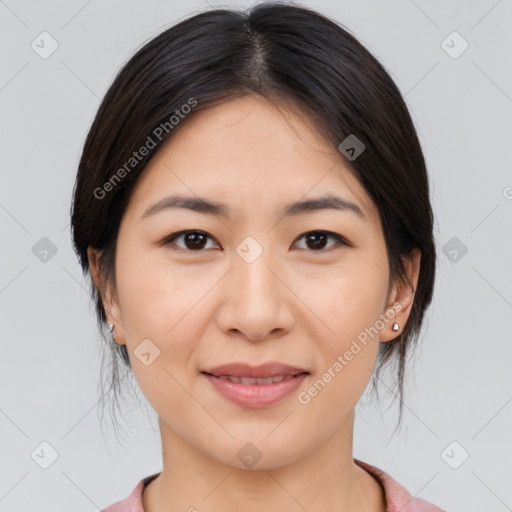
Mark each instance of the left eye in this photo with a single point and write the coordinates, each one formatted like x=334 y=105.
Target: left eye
x=194 y=240
x=317 y=240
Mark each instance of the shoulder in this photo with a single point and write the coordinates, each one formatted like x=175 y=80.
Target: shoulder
x=398 y=497
x=133 y=503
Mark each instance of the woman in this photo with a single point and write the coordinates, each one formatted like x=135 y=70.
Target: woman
x=252 y=205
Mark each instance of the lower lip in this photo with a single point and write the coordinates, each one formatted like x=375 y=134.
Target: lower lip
x=256 y=395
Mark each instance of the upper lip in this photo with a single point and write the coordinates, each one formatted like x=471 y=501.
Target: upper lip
x=239 y=369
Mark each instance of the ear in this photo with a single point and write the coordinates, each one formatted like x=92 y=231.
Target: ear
x=401 y=298
x=108 y=297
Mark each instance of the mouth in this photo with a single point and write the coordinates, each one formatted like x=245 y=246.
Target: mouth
x=255 y=386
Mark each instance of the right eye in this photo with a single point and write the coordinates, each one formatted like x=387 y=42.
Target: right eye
x=193 y=240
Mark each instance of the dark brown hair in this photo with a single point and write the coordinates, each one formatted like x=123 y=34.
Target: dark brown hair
x=290 y=55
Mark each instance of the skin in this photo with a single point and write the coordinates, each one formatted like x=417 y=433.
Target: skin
x=295 y=304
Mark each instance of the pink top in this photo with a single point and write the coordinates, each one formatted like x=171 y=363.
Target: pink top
x=398 y=498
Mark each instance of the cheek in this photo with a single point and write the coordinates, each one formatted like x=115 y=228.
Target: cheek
x=348 y=298
x=347 y=354
x=169 y=305
x=157 y=297
x=164 y=307
x=349 y=304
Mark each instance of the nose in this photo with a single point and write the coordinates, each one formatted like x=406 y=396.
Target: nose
x=256 y=301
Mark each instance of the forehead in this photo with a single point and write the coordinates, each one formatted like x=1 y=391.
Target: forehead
x=247 y=152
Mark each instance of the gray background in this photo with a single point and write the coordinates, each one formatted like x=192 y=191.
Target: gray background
x=459 y=386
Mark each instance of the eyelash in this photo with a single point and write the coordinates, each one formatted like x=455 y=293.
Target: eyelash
x=169 y=240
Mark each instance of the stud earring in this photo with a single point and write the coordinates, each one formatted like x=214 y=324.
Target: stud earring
x=112 y=331
x=395 y=327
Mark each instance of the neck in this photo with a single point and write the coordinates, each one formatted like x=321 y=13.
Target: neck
x=325 y=479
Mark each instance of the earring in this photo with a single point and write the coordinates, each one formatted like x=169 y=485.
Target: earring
x=395 y=327
x=112 y=330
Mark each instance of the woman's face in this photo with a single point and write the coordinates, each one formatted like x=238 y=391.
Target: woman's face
x=251 y=284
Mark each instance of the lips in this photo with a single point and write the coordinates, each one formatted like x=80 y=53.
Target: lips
x=247 y=374
x=255 y=386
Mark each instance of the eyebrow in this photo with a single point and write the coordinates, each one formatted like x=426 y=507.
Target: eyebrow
x=197 y=204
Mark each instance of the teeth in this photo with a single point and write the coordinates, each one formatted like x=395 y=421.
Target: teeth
x=252 y=380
